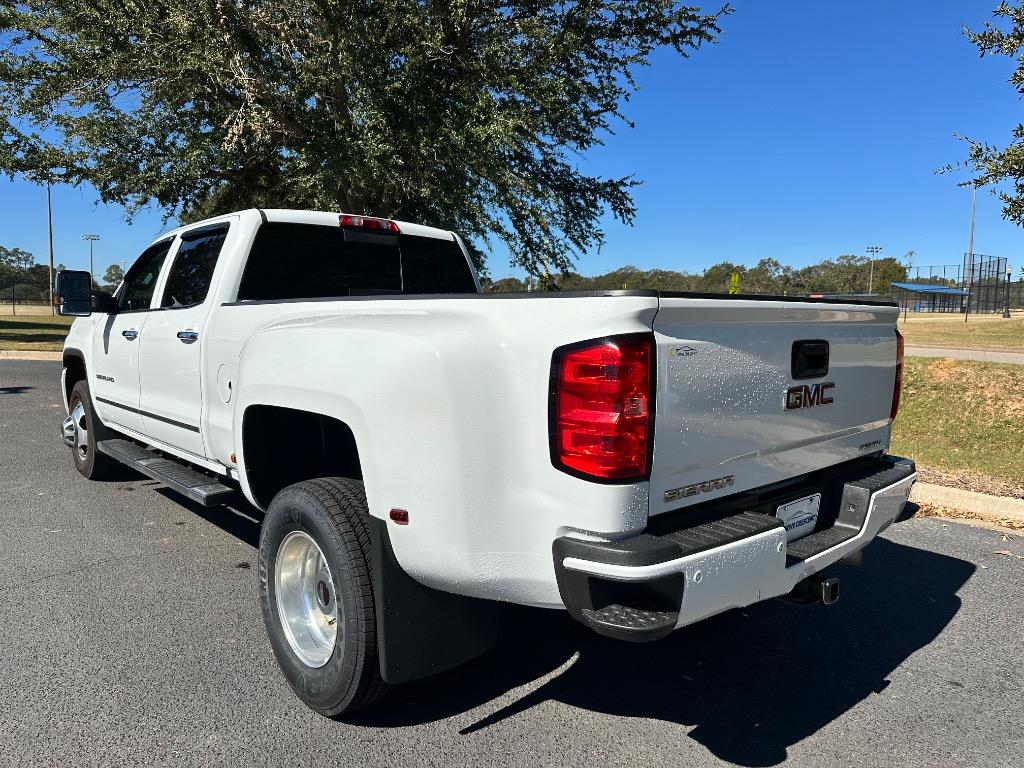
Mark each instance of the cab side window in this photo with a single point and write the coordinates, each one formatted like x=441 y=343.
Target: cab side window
x=140 y=282
x=192 y=271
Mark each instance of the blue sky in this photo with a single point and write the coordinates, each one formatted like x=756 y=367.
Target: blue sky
x=810 y=130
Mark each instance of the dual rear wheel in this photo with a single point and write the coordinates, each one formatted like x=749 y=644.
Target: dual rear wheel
x=315 y=584
x=316 y=594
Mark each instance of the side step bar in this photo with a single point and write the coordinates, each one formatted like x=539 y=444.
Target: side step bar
x=201 y=488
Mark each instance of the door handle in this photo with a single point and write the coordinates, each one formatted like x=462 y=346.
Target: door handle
x=130 y=334
x=188 y=337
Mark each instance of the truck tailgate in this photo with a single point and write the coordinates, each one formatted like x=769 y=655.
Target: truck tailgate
x=725 y=375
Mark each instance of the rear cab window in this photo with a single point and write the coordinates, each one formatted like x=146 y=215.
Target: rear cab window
x=310 y=261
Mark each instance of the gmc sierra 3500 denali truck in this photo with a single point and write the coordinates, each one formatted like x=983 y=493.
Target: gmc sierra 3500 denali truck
x=423 y=452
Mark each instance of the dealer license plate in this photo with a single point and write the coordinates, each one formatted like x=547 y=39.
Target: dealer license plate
x=799 y=516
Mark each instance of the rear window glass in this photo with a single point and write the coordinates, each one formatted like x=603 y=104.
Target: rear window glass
x=430 y=265
x=308 y=261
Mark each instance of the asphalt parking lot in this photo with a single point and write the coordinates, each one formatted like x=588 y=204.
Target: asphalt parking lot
x=130 y=634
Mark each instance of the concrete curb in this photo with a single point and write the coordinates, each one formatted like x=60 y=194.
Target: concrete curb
x=980 y=506
x=28 y=355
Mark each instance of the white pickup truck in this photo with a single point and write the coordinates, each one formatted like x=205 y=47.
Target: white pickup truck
x=424 y=452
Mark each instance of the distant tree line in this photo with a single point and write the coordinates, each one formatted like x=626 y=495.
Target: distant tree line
x=22 y=280
x=845 y=274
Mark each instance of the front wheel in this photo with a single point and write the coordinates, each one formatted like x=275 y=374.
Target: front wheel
x=316 y=594
x=82 y=430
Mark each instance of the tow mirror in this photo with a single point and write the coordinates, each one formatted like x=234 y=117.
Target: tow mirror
x=103 y=302
x=74 y=293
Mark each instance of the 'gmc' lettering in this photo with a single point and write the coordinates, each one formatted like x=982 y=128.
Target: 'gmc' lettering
x=808 y=396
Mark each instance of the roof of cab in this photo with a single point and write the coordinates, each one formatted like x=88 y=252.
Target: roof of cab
x=323 y=218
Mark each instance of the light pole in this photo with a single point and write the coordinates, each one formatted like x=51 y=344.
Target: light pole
x=1006 y=309
x=873 y=251
x=49 y=230
x=92 y=239
x=969 y=277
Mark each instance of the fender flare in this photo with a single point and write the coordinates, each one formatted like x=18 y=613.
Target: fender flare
x=72 y=352
x=242 y=408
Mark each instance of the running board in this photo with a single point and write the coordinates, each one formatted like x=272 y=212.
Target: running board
x=201 y=488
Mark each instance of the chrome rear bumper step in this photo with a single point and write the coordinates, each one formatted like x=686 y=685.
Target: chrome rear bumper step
x=644 y=586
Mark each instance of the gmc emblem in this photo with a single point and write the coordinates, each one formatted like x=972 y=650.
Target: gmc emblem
x=808 y=396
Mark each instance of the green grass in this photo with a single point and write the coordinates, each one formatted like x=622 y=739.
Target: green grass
x=979 y=332
x=38 y=333
x=963 y=415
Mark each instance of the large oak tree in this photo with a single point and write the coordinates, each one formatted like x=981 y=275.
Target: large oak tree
x=466 y=114
x=993 y=164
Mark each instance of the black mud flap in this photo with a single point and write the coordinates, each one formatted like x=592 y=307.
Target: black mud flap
x=423 y=631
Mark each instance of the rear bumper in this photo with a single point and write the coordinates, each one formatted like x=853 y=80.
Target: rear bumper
x=644 y=587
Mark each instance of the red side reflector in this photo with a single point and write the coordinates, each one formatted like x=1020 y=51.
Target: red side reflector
x=367 y=222
x=400 y=516
x=602 y=408
x=897 y=386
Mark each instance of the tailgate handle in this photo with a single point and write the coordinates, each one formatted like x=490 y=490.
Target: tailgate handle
x=810 y=359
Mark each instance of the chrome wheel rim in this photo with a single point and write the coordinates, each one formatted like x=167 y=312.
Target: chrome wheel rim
x=306 y=601
x=81 y=444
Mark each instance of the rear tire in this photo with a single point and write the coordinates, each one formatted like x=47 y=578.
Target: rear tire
x=314 y=560
x=89 y=430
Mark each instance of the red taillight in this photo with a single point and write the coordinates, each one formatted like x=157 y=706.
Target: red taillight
x=367 y=222
x=602 y=407
x=898 y=385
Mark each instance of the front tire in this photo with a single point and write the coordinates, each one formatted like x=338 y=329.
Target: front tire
x=88 y=430
x=317 y=597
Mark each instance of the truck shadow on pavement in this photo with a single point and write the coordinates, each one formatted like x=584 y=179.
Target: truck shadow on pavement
x=16 y=390
x=748 y=683
x=241 y=520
